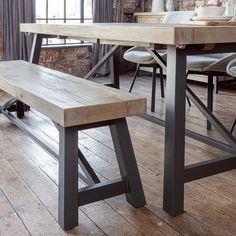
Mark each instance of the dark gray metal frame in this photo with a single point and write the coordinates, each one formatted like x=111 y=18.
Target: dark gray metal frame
x=176 y=174
x=210 y=87
x=70 y=157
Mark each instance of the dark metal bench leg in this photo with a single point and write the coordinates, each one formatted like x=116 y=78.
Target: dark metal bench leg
x=127 y=163
x=154 y=80
x=68 y=177
x=210 y=94
x=173 y=199
x=20 y=109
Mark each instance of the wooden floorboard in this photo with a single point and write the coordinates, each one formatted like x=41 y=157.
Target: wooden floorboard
x=28 y=178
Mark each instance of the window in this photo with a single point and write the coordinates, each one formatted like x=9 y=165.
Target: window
x=63 y=11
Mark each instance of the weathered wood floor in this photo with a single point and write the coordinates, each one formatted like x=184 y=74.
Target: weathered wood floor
x=28 y=178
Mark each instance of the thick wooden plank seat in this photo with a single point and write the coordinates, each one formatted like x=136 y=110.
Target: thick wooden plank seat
x=75 y=104
x=64 y=98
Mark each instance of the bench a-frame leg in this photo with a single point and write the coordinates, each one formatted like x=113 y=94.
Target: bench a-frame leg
x=68 y=177
x=127 y=162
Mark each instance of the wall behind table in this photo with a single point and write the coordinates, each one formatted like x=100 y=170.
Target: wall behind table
x=73 y=60
x=77 y=60
x=180 y=4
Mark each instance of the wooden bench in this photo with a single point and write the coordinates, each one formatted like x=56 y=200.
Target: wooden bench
x=75 y=104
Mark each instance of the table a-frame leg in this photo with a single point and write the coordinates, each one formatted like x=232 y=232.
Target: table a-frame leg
x=68 y=177
x=173 y=199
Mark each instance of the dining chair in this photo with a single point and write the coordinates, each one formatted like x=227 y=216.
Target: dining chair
x=143 y=58
x=231 y=70
x=210 y=65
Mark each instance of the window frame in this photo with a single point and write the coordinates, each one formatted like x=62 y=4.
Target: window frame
x=47 y=19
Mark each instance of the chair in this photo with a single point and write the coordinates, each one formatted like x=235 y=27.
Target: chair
x=143 y=58
x=231 y=70
x=209 y=65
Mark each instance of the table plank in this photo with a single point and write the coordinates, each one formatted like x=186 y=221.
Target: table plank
x=170 y=34
x=213 y=23
x=66 y=99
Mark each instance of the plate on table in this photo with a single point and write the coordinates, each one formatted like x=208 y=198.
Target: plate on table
x=212 y=18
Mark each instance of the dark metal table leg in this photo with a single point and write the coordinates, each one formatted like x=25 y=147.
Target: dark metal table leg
x=68 y=177
x=36 y=48
x=127 y=163
x=115 y=71
x=173 y=199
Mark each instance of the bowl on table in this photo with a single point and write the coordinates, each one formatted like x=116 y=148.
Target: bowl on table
x=212 y=11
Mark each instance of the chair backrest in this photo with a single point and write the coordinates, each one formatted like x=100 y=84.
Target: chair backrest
x=178 y=17
x=231 y=68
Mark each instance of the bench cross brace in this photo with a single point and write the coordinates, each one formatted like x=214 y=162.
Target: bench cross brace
x=70 y=158
x=89 y=176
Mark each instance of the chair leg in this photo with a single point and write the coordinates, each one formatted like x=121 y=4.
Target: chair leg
x=134 y=79
x=233 y=126
x=188 y=100
x=154 y=79
x=162 y=82
x=216 y=87
x=210 y=90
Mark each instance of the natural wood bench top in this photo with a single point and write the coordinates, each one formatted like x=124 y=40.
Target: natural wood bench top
x=66 y=99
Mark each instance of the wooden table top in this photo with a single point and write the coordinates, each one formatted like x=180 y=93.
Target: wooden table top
x=213 y=23
x=134 y=33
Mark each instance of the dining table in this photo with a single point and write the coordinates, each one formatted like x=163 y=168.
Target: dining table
x=180 y=40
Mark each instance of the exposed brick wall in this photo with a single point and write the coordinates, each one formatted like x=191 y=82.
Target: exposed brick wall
x=72 y=60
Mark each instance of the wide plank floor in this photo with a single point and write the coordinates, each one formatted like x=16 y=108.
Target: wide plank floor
x=29 y=177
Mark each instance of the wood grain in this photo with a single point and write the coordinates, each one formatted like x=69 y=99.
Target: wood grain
x=210 y=203
x=66 y=99
x=213 y=23
x=169 y=34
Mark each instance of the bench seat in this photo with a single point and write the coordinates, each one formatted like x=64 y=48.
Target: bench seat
x=75 y=104
x=66 y=99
